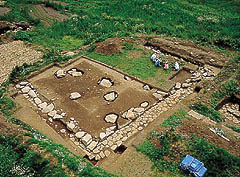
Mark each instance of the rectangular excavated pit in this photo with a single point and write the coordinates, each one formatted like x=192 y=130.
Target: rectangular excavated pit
x=87 y=113
x=181 y=76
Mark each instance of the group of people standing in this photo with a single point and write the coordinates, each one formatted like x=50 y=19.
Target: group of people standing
x=158 y=62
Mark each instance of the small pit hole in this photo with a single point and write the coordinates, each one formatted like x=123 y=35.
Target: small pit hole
x=93 y=161
x=120 y=149
x=197 y=89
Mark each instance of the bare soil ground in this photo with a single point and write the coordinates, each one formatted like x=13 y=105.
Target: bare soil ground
x=13 y=54
x=110 y=46
x=4 y=10
x=91 y=106
x=189 y=51
x=202 y=130
x=47 y=15
x=181 y=76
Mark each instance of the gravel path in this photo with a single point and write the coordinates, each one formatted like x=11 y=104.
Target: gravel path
x=13 y=54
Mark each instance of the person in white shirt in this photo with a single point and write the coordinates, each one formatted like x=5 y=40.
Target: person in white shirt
x=154 y=57
x=176 y=66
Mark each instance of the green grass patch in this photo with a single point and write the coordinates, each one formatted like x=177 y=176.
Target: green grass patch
x=207 y=111
x=175 y=119
x=236 y=129
x=209 y=22
x=226 y=90
x=166 y=151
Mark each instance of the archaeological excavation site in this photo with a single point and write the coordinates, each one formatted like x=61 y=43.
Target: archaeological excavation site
x=119 y=88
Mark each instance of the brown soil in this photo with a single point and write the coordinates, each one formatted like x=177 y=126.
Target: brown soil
x=181 y=76
x=110 y=46
x=4 y=10
x=202 y=130
x=91 y=105
x=189 y=51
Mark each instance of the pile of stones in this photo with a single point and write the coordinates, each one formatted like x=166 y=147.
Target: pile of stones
x=111 y=96
x=106 y=82
x=73 y=72
x=231 y=112
x=31 y=94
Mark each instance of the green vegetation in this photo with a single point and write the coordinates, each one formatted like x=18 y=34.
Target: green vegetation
x=18 y=160
x=207 y=111
x=226 y=90
x=236 y=129
x=211 y=21
x=231 y=69
x=175 y=119
x=167 y=150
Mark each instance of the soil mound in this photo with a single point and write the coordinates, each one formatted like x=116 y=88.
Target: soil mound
x=110 y=46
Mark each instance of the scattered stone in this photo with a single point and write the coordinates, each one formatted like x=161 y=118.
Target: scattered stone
x=80 y=134
x=130 y=114
x=91 y=156
x=127 y=78
x=92 y=145
x=48 y=108
x=124 y=138
x=25 y=89
x=138 y=110
x=140 y=128
x=146 y=87
x=186 y=85
x=162 y=93
x=107 y=153
x=37 y=101
x=102 y=155
x=32 y=94
x=87 y=139
x=52 y=113
x=23 y=83
x=42 y=105
x=75 y=73
x=60 y=73
x=111 y=118
x=102 y=135
x=63 y=131
x=70 y=126
x=97 y=157
x=158 y=96
x=57 y=116
x=144 y=104
x=75 y=95
x=110 y=96
x=178 y=85
x=106 y=83
x=119 y=143
x=96 y=151
x=113 y=147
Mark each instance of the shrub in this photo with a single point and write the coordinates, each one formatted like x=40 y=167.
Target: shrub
x=21 y=35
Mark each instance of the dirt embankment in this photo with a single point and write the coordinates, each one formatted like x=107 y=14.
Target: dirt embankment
x=189 y=51
x=110 y=46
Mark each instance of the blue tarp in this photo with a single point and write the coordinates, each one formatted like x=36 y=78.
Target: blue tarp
x=193 y=165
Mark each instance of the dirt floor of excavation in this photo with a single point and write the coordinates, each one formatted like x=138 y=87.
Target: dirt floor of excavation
x=91 y=108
